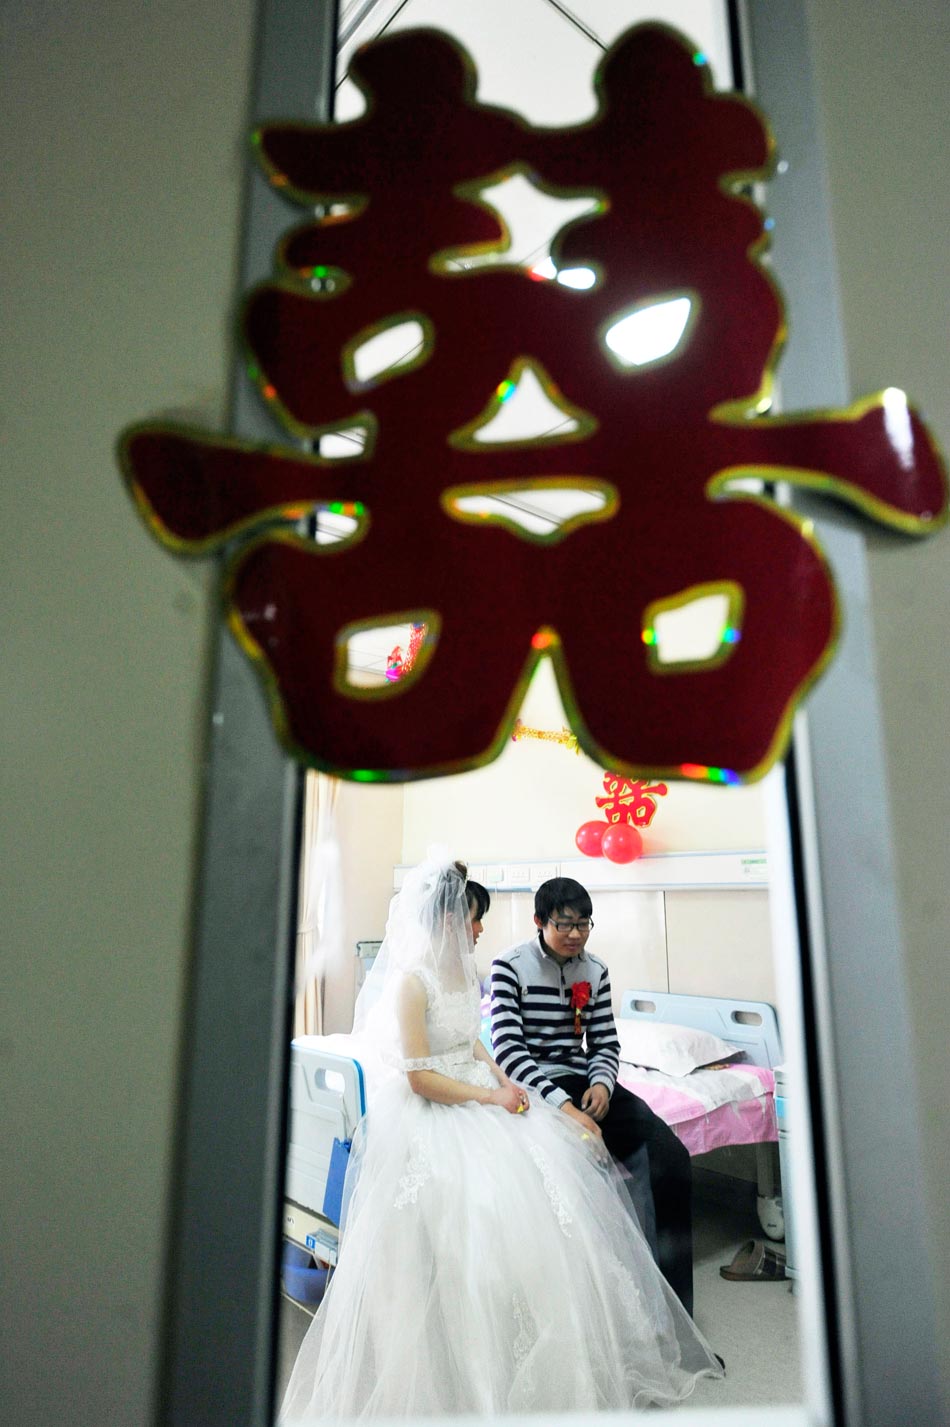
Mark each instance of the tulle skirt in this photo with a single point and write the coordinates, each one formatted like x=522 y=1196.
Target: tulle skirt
x=489 y=1264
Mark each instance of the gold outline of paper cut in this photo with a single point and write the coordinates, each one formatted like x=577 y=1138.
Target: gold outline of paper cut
x=783 y=728
x=270 y=397
x=463 y=437
x=306 y=757
x=732 y=177
x=356 y=199
x=607 y=511
x=718 y=485
x=471 y=191
x=262 y=515
x=735 y=610
x=399 y=369
x=551 y=647
x=302 y=278
x=439 y=262
x=630 y=369
x=737 y=409
x=389 y=689
x=332 y=283
x=262 y=665
x=730 y=184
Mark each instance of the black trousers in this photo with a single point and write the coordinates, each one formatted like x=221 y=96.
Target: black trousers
x=628 y=1124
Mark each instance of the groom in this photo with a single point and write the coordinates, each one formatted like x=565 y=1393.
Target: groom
x=552 y=1028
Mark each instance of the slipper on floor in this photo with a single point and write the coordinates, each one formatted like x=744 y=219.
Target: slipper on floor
x=755 y=1263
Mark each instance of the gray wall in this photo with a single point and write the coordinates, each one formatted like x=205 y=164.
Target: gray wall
x=881 y=73
x=121 y=164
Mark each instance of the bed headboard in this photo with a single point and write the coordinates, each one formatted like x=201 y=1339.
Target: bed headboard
x=327 y=1098
x=751 y=1025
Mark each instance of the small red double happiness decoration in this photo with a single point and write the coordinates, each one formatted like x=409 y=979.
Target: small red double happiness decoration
x=656 y=443
x=630 y=804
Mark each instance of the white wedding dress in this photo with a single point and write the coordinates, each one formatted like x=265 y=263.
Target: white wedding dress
x=489 y=1264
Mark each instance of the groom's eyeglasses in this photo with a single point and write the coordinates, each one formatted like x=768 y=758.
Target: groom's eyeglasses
x=586 y=924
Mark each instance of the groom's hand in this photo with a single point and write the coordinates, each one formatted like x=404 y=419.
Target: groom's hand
x=596 y=1101
x=590 y=1126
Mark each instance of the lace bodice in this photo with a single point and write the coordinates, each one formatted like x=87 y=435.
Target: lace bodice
x=452 y=1017
x=453 y=1020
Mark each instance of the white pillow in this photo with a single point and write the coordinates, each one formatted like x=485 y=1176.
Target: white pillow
x=676 y=1050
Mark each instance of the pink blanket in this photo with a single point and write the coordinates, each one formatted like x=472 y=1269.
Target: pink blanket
x=710 y=1108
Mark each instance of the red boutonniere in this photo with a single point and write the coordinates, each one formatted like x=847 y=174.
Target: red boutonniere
x=580 y=995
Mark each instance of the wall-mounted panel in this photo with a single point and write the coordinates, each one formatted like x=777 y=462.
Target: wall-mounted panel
x=720 y=944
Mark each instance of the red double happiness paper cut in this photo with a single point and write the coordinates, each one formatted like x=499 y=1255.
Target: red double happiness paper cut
x=657 y=446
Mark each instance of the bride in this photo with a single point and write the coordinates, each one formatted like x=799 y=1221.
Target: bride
x=489 y=1263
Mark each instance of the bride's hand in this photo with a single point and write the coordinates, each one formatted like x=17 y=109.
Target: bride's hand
x=510 y=1097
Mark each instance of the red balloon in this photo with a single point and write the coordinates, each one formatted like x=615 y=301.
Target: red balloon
x=621 y=843
x=589 y=837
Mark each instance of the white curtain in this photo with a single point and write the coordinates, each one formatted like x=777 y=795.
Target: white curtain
x=319 y=917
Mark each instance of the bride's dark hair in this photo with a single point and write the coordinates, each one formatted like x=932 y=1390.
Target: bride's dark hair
x=478 y=899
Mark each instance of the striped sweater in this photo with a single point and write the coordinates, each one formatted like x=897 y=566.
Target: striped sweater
x=532 y=1023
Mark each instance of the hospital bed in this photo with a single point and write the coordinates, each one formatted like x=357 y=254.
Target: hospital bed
x=707 y=1109
x=327 y=1097
x=714 y=1107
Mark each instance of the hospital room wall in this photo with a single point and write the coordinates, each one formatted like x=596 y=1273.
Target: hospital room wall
x=526 y=807
x=704 y=942
x=530 y=801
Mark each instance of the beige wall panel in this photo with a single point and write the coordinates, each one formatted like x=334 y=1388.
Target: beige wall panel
x=510 y=919
x=720 y=944
x=628 y=934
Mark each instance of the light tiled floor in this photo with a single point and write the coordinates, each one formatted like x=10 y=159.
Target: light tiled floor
x=753 y=1326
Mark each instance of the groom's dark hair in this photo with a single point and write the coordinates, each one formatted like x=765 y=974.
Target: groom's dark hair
x=558 y=893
